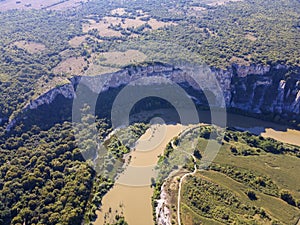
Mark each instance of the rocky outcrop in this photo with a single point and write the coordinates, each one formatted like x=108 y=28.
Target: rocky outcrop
x=255 y=89
x=162 y=211
x=266 y=90
x=66 y=90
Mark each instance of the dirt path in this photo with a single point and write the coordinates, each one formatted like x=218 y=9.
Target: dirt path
x=180 y=186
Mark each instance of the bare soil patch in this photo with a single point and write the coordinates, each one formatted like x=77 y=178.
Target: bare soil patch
x=119 y=58
x=105 y=26
x=250 y=37
x=118 y=11
x=219 y=2
x=71 y=66
x=78 y=40
x=31 y=47
x=39 y=4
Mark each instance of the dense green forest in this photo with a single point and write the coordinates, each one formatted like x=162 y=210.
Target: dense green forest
x=44 y=178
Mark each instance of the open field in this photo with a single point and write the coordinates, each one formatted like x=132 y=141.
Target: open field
x=98 y=63
x=30 y=46
x=119 y=58
x=102 y=27
x=95 y=70
x=78 y=40
x=4 y=77
x=219 y=2
x=118 y=11
x=197 y=11
x=109 y=62
x=39 y=4
x=25 y=4
x=111 y=26
x=250 y=37
x=189 y=217
x=44 y=85
x=72 y=66
x=275 y=207
x=67 y=4
x=155 y=24
x=283 y=169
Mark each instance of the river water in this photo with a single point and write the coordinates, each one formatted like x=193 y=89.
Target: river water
x=131 y=195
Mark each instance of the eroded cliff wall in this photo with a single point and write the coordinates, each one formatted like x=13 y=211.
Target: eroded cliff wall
x=253 y=89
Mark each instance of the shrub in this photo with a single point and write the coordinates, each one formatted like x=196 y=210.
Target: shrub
x=251 y=195
x=286 y=196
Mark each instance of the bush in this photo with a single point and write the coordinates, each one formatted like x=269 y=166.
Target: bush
x=251 y=195
x=286 y=196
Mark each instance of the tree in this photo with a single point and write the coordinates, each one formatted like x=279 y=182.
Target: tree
x=251 y=195
x=197 y=153
x=286 y=196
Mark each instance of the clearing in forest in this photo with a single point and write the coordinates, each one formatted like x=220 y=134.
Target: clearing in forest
x=30 y=46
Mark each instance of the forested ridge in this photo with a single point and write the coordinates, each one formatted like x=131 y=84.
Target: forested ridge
x=44 y=179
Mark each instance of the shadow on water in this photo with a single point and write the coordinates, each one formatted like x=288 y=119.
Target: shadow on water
x=60 y=110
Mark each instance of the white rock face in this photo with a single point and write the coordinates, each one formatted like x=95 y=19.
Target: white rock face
x=162 y=212
x=249 y=88
x=243 y=71
x=66 y=90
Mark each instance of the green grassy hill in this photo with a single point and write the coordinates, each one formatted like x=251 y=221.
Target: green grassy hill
x=246 y=184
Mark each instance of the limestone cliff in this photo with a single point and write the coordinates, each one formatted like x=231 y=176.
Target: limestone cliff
x=254 y=89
